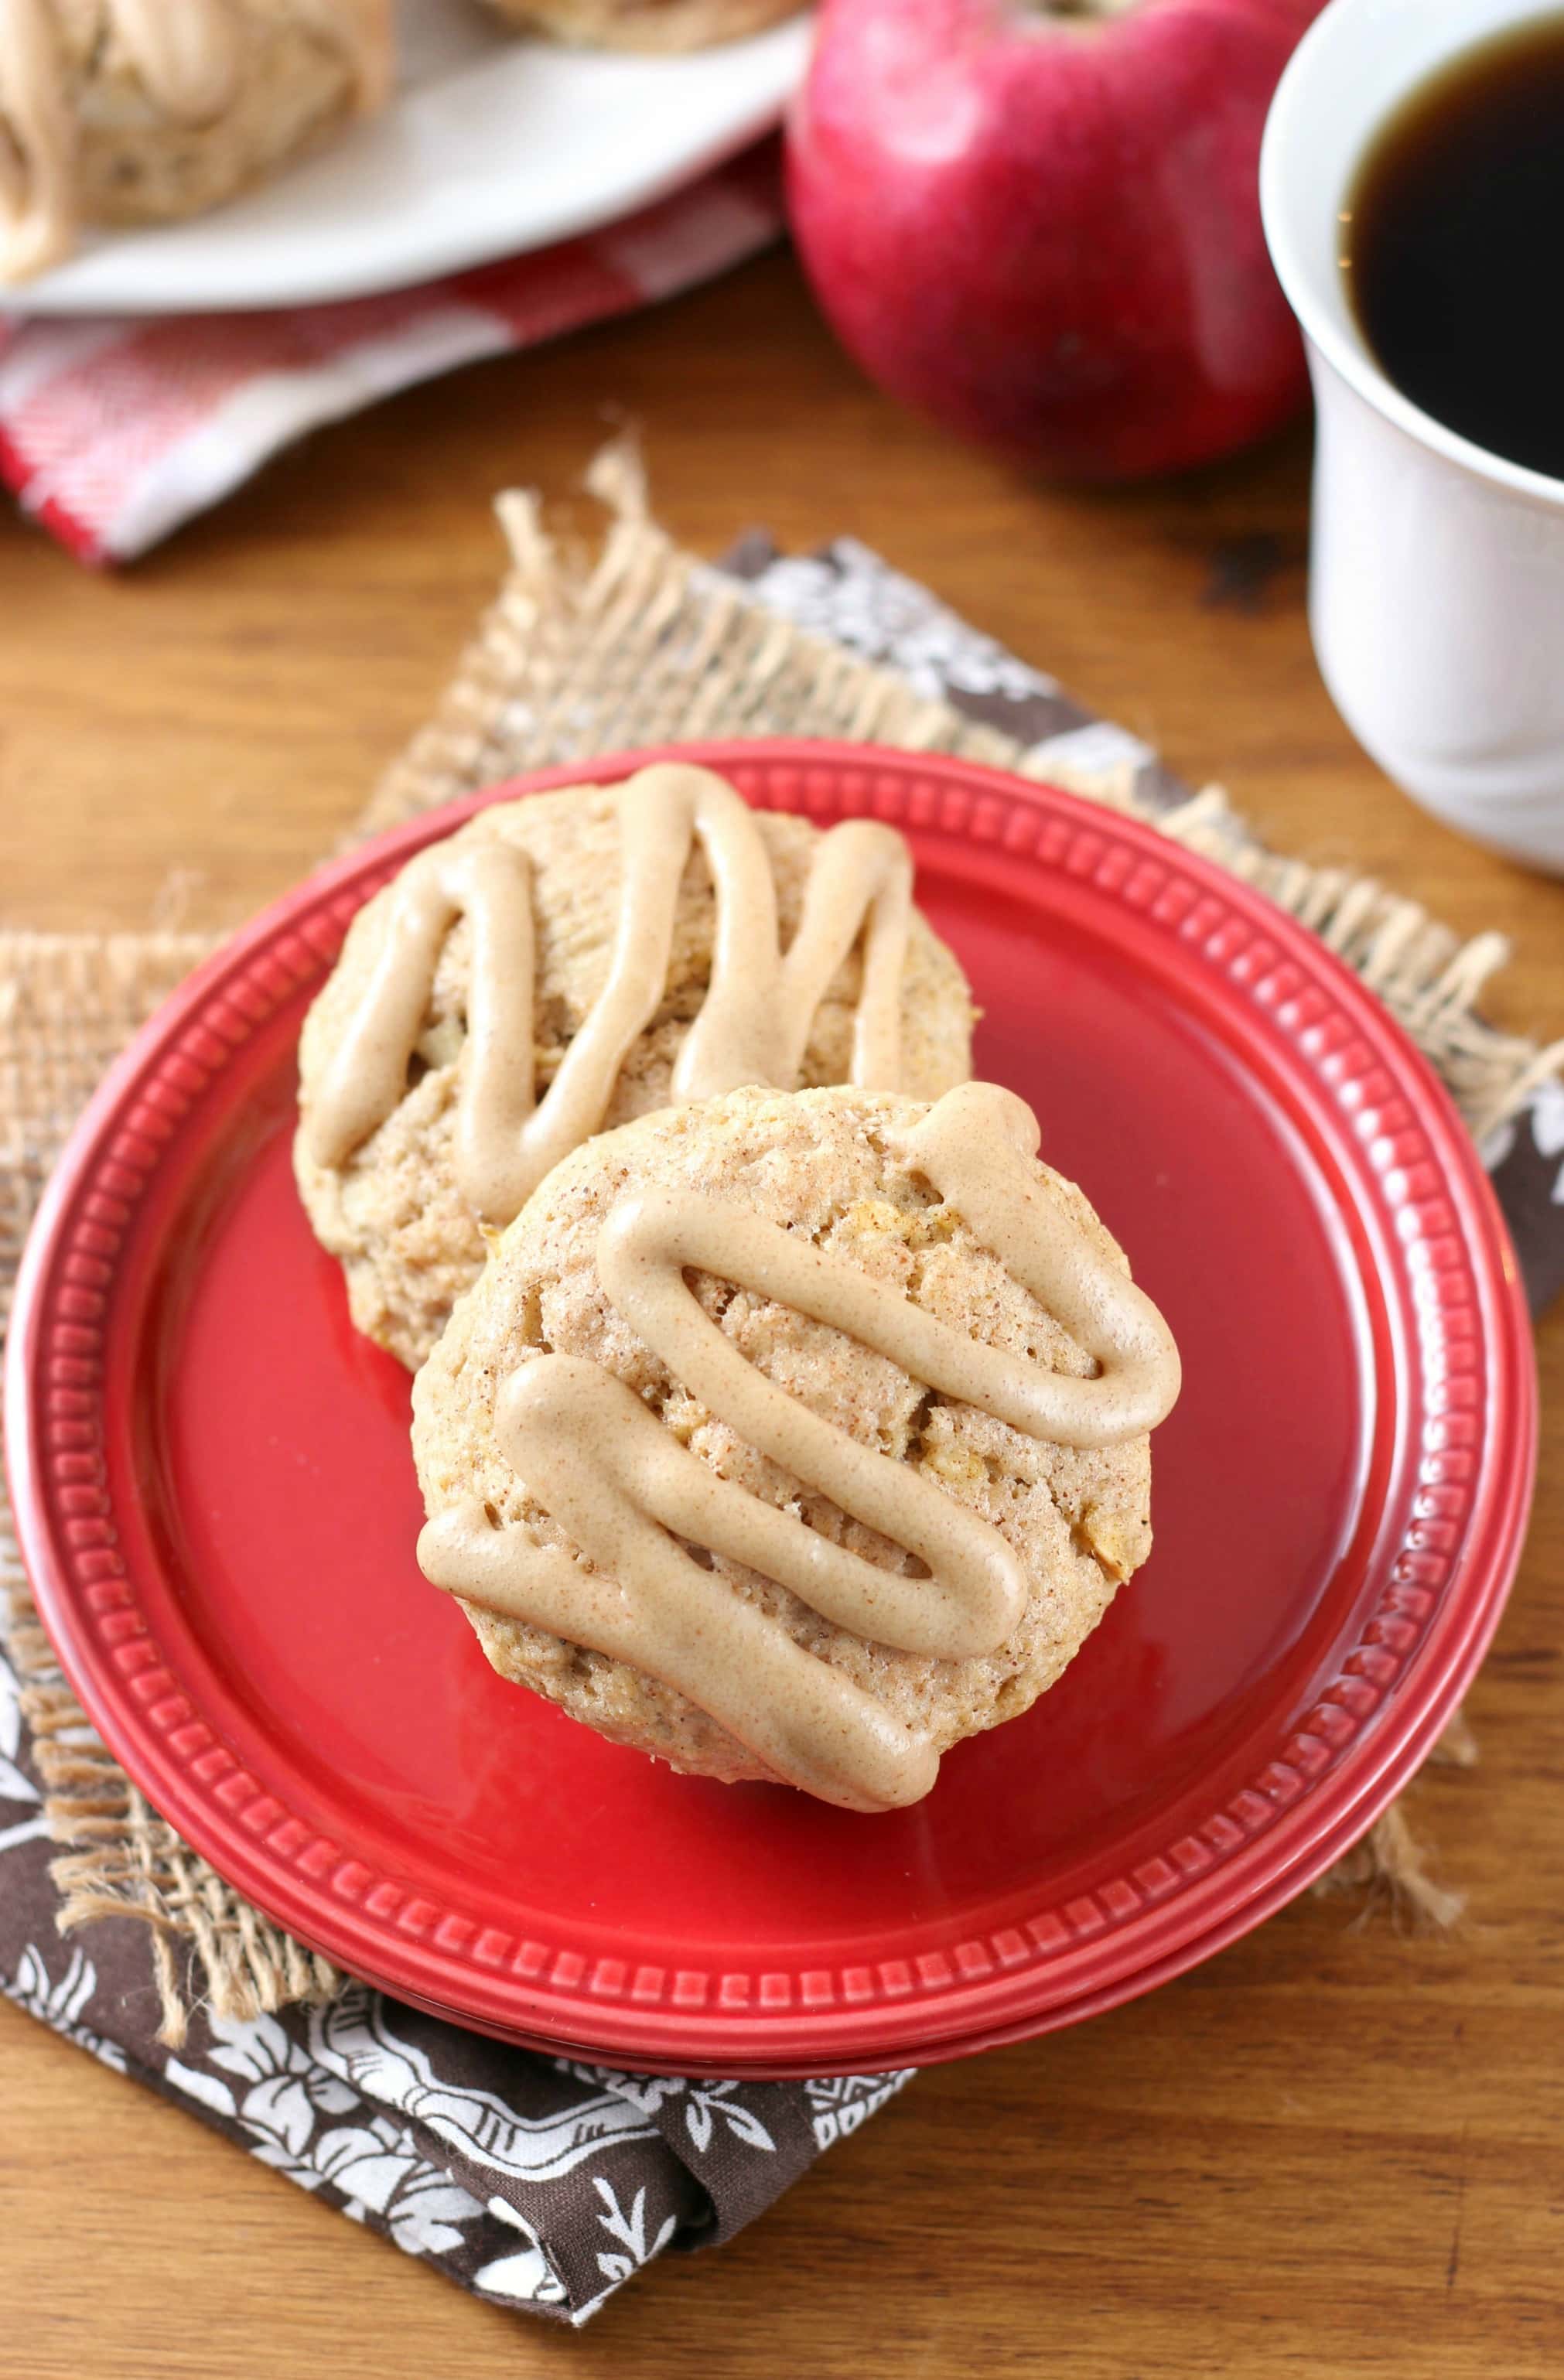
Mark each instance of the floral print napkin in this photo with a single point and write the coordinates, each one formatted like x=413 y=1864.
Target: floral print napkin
x=535 y=2181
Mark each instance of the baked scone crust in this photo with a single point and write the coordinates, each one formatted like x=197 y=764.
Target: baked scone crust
x=826 y=1166
x=391 y=1212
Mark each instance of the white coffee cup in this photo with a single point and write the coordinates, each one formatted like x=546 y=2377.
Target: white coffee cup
x=1437 y=569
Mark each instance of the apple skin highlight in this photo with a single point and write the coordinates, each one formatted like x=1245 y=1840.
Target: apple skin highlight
x=1041 y=225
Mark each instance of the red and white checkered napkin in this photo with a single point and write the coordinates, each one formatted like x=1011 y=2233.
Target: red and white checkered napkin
x=112 y=431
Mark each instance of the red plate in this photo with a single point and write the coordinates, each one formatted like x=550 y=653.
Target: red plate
x=218 y=1509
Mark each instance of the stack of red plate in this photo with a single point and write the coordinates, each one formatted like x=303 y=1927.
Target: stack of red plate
x=218 y=1508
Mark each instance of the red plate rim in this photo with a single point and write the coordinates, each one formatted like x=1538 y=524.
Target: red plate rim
x=1287 y=1828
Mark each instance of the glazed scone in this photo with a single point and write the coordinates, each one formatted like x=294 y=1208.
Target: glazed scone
x=116 y=112
x=383 y=1182
x=646 y=24
x=575 y=1475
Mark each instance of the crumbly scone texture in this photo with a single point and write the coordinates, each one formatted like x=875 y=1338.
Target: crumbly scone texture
x=392 y=1213
x=300 y=80
x=828 y=1166
x=646 y=24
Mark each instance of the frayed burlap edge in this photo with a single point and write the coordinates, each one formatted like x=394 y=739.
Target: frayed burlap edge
x=68 y=1003
x=209 y=1943
x=1389 y=1867
x=643 y=645
x=648 y=645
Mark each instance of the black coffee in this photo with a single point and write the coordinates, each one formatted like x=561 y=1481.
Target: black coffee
x=1454 y=238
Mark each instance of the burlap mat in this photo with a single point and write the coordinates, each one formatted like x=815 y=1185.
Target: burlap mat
x=643 y=646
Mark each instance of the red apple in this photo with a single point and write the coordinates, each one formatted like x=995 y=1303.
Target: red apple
x=1040 y=224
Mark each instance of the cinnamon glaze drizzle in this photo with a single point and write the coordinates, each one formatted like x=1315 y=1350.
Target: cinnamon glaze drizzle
x=753 y=1026
x=625 y=1492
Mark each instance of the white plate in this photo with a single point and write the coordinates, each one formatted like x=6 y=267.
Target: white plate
x=495 y=144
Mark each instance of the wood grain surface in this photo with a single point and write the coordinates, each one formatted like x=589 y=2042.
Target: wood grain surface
x=1334 y=2151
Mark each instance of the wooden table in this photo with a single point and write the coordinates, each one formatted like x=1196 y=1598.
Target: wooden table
x=1334 y=2151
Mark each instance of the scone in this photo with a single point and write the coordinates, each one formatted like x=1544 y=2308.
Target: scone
x=646 y=24
x=797 y=1435
x=566 y=962
x=137 y=110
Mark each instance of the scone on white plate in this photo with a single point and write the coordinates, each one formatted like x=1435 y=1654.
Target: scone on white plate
x=646 y=24
x=118 y=112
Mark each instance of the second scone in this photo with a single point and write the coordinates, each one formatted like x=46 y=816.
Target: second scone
x=795 y=1436
x=569 y=961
